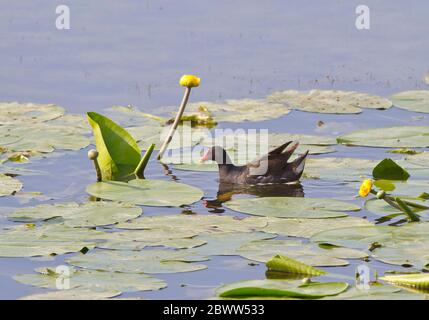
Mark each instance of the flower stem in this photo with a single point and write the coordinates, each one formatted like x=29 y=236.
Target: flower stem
x=139 y=171
x=412 y=216
x=175 y=123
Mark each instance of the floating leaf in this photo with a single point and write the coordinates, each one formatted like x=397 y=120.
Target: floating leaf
x=306 y=228
x=73 y=294
x=41 y=137
x=376 y=291
x=90 y=279
x=146 y=261
x=388 y=169
x=119 y=154
x=329 y=101
x=290 y=207
x=285 y=264
x=200 y=224
x=281 y=288
x=237 y=110
x=264 y=250
x=9 y=185
x=415 y=100
x=25 y=113
x=146 y=192
x=226 y=244
x=381 y=207
x=419 y=159
x=89 y=214
x=391 y=137
x=31 y=240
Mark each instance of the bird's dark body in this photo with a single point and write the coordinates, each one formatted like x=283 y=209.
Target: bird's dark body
x=270 y=168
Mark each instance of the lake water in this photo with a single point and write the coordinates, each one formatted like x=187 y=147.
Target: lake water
x=133 y=52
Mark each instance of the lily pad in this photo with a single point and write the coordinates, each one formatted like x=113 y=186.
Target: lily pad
x=238 y=110
x=89 y=214
x=389 y=170
x=391 y=137
x=329 y=101
x=199 y=224
x=226 y=244
x=30 y=240
x=9 y=185
x=41 y=137
x=146 y=261
x=264 y=250
x=415 y=100
x=421 y=159
x=139 y=239
x=381 y=207
x=376 y=292
x=146 y=192
x=25 y=113
x=306 y=228
x=49 y=278
x=74 y=294
x=281 y=288
x=290 y=207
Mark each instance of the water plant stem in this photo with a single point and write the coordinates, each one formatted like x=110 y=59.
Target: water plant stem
x=412 y=216
x=175 y=123
x=139 y=171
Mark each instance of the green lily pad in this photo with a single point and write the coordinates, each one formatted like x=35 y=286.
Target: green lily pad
x=41 y=137
x=139 y=239
x=146 y=261
x=73 y=294
x=329 y=101
x=338 y=169
x=306 y=228
x=376 y=292
x=25 y=113
x=9 y=185
x=31 y=240
x=414 y=100
x=238 y=110
x=281 y=288
x=404 y=253
x=146 y=192
x=391 y=137
x=50 y=277
x=227 y=243
x=89 y=214
x=421 y=159
x=264 y=250
x=199 y=224
x=290 y=207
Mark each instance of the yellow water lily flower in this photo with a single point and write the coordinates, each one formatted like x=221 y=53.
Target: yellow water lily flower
x=190 y=81
x=365 y=188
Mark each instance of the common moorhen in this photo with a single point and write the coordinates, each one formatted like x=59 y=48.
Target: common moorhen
x=270 y=168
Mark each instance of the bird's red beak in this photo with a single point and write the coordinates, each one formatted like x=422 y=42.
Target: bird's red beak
x=205 y=157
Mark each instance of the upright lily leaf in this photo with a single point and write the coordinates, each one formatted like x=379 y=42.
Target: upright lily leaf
x=388 y=169
x=285 y=264
x=119 y=154
x=418 y=281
